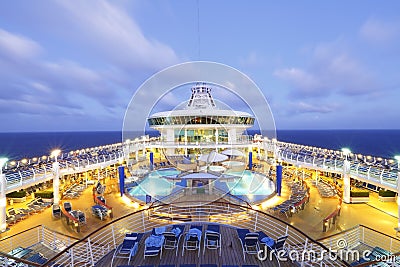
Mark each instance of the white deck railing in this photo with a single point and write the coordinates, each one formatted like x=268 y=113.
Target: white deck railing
x=96 y=245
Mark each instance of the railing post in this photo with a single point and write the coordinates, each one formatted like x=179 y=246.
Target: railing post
x=255 y=222
x=71 y=253
x=363 y=234
x=40 y=229
x=303 y=254
x=113 y=235
x=391 y=245
x=144 y=226
x=20 y=175
x=90 y=252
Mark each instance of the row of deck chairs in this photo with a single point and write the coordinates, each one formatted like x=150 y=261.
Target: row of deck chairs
x=325 y=189
x=298 y=193
x=74 y=192
x=24 y=253
x=35 y=206
x=252 y=241
x=160 y=239
x=162 y=164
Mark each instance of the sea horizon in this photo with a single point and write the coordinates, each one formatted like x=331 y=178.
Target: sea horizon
x=375 y=142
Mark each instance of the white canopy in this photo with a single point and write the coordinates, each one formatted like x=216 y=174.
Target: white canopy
x=213 y=157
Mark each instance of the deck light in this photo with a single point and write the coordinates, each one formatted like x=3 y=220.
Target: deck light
x=55 y=153
x=346 y=151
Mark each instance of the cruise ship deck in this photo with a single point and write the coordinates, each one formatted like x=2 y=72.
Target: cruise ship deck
x=304 y=206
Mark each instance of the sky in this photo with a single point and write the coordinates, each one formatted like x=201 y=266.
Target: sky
x=74 y=65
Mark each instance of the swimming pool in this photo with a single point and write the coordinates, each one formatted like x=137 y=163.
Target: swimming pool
x=250 y=186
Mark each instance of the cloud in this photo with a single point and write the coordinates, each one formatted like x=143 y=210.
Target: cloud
x=109 y=30
x=17 y=47
x=303 y=107
x=380 y=31
x=27 y=77
x=331 y=71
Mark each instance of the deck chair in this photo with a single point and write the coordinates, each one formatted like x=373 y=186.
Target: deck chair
x=67 y=206
x=18 y=216
x=212 y=238
x=173 y=237
x=193 y=239
x=265 y=239
x=154 y=243
x=249 y=242
x=99 y=211
x=277 y=246
x=128 y=247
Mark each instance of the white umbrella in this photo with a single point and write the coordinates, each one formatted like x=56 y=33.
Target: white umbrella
x=233 y=152
x=213 y=157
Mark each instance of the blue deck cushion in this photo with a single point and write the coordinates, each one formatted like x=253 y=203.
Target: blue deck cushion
x=23 y=253
x=242 y=233
x=264 y=239
x=37 y=258
x=15 y=250
x=213 y=228
x=129 y=241
x=194 y=232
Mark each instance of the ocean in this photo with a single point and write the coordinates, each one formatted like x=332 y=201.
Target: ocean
x=382 y=143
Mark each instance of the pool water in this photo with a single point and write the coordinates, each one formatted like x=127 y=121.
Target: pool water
x=251 y=187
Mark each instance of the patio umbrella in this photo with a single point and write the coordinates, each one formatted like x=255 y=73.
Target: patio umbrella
x=233 y=152
x=213 y=157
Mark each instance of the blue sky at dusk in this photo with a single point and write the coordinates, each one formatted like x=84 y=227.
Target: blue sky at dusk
x=74 y=65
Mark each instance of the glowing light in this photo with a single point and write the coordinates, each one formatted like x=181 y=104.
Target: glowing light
x=55 y=153
x=346 y=151
x=24 y=161
x=397 y=157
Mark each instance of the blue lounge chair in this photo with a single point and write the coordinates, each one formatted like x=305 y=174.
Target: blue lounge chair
x=212 y=238
x=193 y=239
x=99 y=211
x=277 y=246
x=154 y=243
x=265 y=239
x=37 y=258
x=249 y=242
x=173 y=237
x=128 y=247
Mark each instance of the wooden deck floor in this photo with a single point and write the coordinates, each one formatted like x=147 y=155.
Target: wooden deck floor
x=231 y=254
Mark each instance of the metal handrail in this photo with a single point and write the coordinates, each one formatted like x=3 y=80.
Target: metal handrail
x=106 y=238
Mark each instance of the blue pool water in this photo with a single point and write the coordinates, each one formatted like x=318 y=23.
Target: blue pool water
x=249 y=186
x=154 y=184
